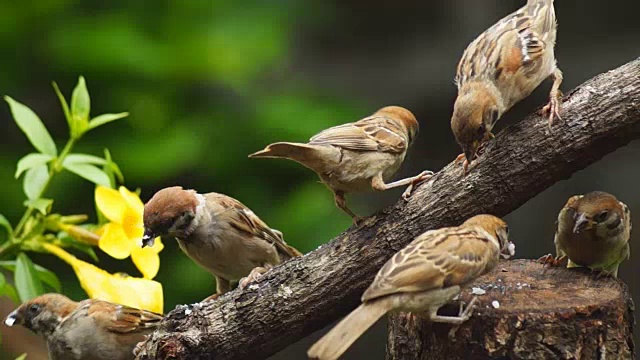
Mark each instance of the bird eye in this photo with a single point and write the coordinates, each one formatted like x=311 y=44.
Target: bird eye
x=602 y=216
x=506 y=229
x=33 y=309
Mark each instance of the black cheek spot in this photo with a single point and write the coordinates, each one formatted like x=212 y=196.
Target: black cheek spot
x=614 y=224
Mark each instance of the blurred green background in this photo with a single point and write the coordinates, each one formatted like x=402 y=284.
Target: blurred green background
x=209 y=81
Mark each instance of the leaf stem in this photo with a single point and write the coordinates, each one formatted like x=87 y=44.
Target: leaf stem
x=7 y=247
x=55 y=168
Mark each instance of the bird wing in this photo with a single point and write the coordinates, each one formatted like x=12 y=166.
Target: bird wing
x=118 y=318
x=246 y=221
x=373 y=133
x=512 y=44
x=436 y=259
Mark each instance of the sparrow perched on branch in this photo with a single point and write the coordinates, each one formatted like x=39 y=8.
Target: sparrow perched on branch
x=217 y=232
x=422 y=277
x=593 y=231
x=501 y=67
x=357 y=156
x=86 y=330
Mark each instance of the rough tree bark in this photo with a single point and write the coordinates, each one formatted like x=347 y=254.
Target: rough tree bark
x=539 y=313
x=306 y=294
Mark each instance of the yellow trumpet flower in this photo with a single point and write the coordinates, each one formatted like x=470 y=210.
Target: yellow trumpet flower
x=118 y=288
x=122 y=236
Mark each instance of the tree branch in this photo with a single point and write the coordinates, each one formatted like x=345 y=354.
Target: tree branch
x=306 y=294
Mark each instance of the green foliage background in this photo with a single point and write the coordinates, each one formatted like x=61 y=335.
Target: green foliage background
x=207 y=82
x=202 y=86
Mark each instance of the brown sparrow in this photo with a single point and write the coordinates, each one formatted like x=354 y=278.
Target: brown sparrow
x=357 y=156
x=501 y=67
x=422 y=277
x=217 y=232
x=593 y=231
x=86 y=330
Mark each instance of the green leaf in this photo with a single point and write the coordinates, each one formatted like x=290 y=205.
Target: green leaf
x=34 y=181
x=10 y=265
x=49 y=277
x=106 y=118
x=80 y=108
x=3 y=282
x=89 y=172
x=10 y=291
x=22 y=357
x=28 y=283
x=33 y=127
x=63 y=102
x=83 y=159
x=30 y=161
x=7 y=225
x=40 y=204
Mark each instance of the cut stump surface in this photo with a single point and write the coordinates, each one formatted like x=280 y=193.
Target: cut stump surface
x=529 y=311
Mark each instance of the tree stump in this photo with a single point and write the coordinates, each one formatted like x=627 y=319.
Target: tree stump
x=529 y=311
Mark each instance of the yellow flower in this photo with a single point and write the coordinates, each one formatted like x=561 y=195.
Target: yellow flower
x=122 y=236
x=118 y=288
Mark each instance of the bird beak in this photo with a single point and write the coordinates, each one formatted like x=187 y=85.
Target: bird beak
x=508 y=248
x=582 y=223
x=12 y=319
x=148 y=239
x=509 y=251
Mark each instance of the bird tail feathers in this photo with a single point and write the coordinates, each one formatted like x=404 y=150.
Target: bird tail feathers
x=339 y=339
x=314 y=157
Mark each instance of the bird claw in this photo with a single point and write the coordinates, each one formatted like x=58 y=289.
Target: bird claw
x=463 y=313
x=357 y=220
x=140 y=346
x=465 y=164
x=553 y=108
x=211 y=297
x=419 y=179
x=598 y=274
x=254 y=275
x=551 y=261
x=468 y=311
x=488 y=136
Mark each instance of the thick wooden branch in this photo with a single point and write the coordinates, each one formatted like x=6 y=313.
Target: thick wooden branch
x=305 y=294
x=528 y=311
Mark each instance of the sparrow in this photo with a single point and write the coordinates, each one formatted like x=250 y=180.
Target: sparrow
x=423 y=277
x=593 y=231
x=216 y=231
x=86 y=330
x=358 y=156
x=501 y=67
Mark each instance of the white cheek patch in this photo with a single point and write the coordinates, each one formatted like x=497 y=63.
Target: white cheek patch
x=10 y=320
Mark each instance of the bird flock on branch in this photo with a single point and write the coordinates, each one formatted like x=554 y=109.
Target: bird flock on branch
x=502 y=66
